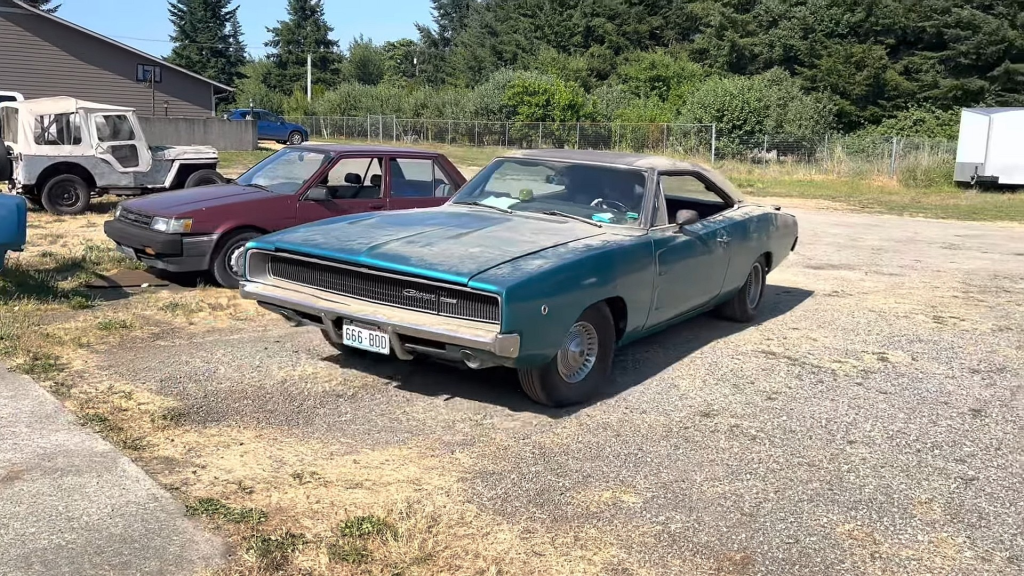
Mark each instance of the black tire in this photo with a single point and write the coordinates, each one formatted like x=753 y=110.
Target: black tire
x=295 y=137
x=66 y=195
x=205 y=177
x=743 y=306
x=221 y=260
x=547 y=385
x=6 y=165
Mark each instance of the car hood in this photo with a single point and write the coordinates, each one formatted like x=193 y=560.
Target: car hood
x=450 y=243
x=184 y=202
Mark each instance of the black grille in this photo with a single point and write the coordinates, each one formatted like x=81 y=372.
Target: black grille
x=133 y=217
x=383 y=289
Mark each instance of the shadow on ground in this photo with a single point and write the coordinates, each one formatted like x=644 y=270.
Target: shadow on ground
x=633 y=364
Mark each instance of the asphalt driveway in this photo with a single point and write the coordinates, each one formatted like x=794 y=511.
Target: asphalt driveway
x=71 y=504
x=871 y=422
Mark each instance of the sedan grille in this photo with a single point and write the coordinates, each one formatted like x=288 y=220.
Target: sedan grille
x=136 y=218
x=387 y=289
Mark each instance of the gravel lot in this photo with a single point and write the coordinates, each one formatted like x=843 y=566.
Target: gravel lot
x=871 y=423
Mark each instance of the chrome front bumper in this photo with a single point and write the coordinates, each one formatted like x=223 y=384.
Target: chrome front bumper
x=317 y=308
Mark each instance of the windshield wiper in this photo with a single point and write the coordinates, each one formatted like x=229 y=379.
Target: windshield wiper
x=573 y=216
x=479 y=203
x=260 y=186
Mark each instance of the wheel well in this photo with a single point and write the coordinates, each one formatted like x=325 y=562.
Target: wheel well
x=617 y=306
x=186 y=170
x=226 y=233
x=60 y=169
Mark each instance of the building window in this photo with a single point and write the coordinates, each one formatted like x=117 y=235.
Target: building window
x=147 y=73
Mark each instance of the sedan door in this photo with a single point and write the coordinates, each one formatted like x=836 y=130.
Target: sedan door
x=690 y=261
x=353 y=185
x=417 y=183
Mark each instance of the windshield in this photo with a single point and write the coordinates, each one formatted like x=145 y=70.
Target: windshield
x=284 y=172
x=598 y=193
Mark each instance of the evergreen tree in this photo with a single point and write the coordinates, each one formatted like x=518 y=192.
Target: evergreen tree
x=305 y=32
x=43 y=5
x=207 y=39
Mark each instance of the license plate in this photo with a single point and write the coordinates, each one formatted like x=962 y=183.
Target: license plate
x=128 y=252
x=366 y=338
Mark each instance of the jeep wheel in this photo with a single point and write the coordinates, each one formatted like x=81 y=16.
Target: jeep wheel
x=581 y=368
x=225 y=263
x=204 y=178
x=66 y=195
x=295 y=137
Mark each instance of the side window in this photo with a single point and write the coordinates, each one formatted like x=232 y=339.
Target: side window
x=442 y=185
x=9 y=121
x=686 y=192
x=412 y=178
x=58 y=130
x=355 y=179
x=114 y=128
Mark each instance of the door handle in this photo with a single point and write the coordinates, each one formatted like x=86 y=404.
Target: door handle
x=376 y=206
x=724 y=239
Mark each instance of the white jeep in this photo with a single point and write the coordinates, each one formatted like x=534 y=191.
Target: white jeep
x=66 y=151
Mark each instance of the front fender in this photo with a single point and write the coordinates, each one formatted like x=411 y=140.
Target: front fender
x=543 y=294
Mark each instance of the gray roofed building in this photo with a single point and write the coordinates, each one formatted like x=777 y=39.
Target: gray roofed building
x=43 y=55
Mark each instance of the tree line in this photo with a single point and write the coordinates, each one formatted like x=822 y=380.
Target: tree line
x=751 y=66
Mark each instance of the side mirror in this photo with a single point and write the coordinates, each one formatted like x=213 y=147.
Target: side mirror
x=686 y=217
x=318 y=194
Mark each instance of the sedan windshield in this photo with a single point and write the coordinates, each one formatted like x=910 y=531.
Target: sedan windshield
x=284 y=172
x=599 y=194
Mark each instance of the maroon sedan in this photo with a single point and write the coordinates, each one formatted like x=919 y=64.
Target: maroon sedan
x=205 y=228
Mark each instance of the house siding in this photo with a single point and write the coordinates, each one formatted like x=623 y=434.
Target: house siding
x=40 y=57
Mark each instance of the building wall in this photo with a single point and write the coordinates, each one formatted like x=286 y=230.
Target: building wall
x=40 y=58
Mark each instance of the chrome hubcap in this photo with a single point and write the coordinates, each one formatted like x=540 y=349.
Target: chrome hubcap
x=235 y=260
x=578 y=354
x=755 y=282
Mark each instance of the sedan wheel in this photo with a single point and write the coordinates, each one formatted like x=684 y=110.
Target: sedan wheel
x=295 y=138
x=743 y=306
x=226 y=263
x=582 y=365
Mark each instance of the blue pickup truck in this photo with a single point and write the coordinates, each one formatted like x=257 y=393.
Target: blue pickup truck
x=13 y=212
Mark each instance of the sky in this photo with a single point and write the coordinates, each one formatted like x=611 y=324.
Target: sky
x=143 y=24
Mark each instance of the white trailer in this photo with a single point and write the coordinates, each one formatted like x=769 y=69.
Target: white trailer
x=991 y=147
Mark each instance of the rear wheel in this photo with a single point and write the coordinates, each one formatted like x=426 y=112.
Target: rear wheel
x=204 y=178
x=66 y=194
x=581 y=368
x=743 y=306
x=226 y=262
x=295 y=137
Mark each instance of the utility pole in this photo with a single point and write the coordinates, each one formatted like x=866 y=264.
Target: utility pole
x=309 y=77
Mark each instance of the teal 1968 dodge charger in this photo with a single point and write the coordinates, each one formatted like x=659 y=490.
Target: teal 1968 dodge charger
x=544 y=262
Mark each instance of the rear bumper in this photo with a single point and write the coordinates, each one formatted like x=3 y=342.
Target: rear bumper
x=309 y=307
x=171 y=252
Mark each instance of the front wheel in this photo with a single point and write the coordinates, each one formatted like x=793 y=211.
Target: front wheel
x=66 y=195
x=205 y=177
x=226 y=263
x=743 y=306
x=582 y=366
x=295 y=138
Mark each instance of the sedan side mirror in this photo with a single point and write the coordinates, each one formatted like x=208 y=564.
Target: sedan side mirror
x=686 y=217
x=318 y=194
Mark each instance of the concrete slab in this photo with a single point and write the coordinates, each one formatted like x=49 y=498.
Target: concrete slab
x=71 y=504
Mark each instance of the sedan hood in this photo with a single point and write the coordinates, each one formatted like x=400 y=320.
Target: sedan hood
x=450 y=243
x=190 y=200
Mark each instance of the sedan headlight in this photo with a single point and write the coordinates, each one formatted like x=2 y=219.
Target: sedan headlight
x=117 y=212
x=171 y=225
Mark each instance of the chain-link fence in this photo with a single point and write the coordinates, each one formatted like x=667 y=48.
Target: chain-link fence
x=863 y=155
